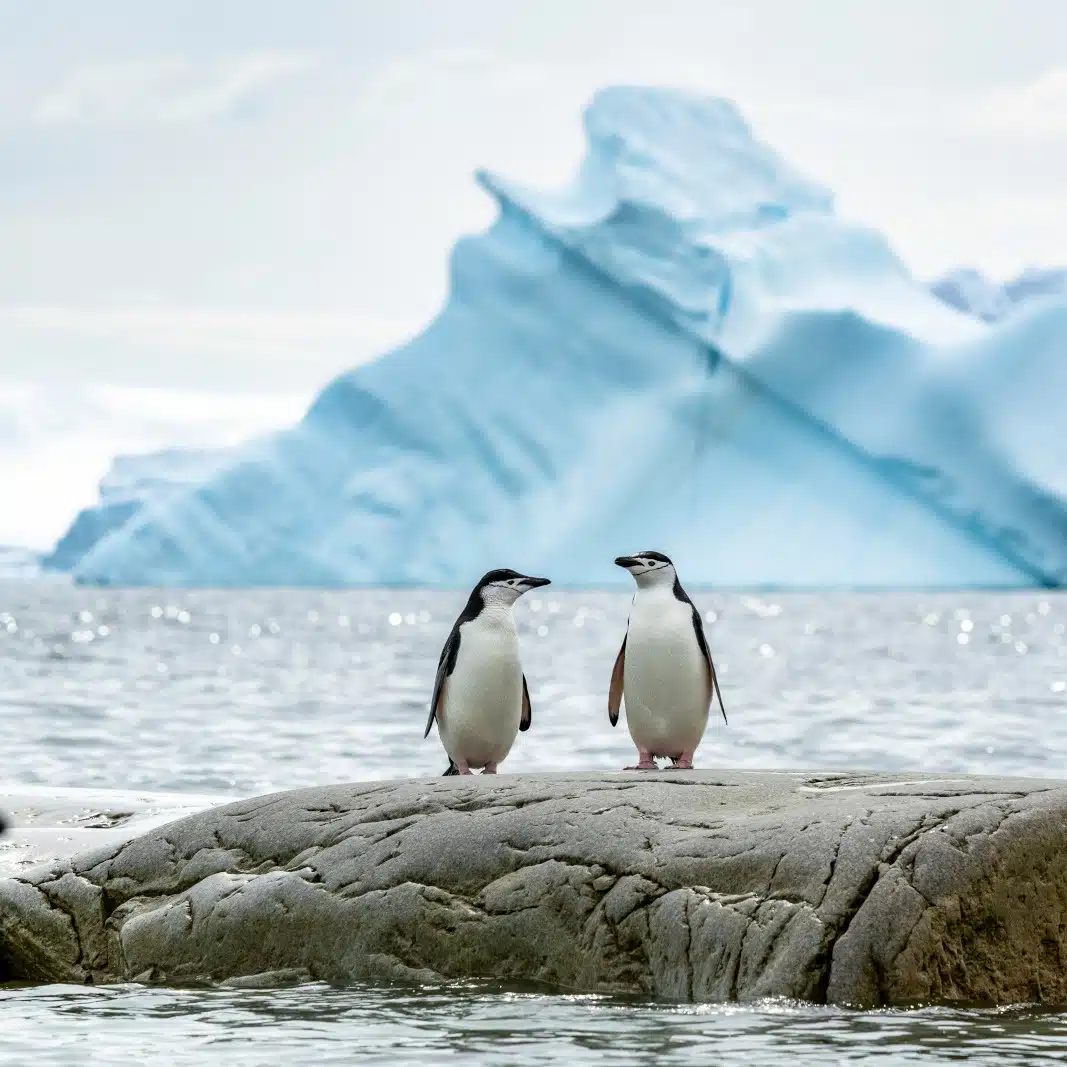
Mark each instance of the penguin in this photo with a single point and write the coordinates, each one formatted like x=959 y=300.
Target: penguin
x=480 y=697
x=664 y=669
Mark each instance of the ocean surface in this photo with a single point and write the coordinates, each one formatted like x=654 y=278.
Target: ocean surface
x=243 y=693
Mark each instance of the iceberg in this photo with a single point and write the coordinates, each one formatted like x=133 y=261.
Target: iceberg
x=128 y=484
x=970 y=291
x=687 y=348
x=1036 y=283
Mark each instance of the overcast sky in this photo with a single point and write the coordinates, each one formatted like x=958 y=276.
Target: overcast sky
x=195 y=192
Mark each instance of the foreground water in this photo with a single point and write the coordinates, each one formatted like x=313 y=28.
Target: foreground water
x=242 y=693
x=467 y=1026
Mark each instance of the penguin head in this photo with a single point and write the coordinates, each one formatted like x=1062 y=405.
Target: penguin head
x=505 y=586
x=648 y=568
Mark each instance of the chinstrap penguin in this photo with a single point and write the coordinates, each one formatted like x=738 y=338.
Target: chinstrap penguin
x=664 y=670
x=480 y=697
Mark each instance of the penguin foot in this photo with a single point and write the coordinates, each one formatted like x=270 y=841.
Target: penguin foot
x=489 y=768
x=684 y=762
x=462 y=768
x=645 y=762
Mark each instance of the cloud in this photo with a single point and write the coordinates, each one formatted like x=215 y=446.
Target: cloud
x=1034 y=109
x=256 y=332
x=223 y=350
x=411 y=74
x=164 y=90
x=1037 y=108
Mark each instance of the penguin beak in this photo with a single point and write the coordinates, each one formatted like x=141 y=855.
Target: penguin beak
x=626 y=561
x=536 y=583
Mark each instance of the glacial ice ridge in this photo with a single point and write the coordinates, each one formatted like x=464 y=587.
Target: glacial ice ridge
x=970 y=291
x=687 y=349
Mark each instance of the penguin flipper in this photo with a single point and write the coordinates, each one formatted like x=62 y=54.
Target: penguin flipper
x=445 y=666
x=527 y=708
x=713 y=675
x=615 y=689
x=718 y=689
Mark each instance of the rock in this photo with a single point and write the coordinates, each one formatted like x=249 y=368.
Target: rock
x=847 y=888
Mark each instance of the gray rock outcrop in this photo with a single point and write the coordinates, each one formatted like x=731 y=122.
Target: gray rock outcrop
x=702 y=886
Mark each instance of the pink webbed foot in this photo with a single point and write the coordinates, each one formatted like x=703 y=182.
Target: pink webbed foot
x=462 y=767
x=489 y=768
x=684 y=762
x=645 y=762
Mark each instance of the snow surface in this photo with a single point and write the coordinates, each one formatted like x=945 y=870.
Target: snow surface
x=686 y=349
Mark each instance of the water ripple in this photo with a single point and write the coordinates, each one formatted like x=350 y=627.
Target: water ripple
x=469 y=1024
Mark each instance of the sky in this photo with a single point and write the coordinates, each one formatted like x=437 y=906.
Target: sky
x=241 y=199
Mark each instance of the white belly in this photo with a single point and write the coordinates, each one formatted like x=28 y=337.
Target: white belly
x=483 y=695
x=665 y=679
